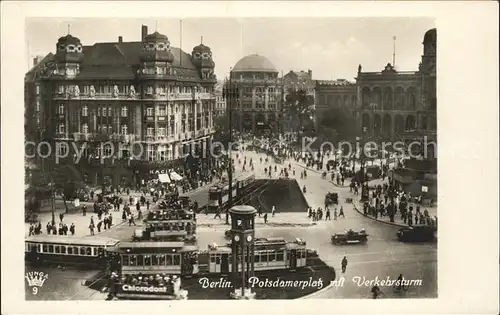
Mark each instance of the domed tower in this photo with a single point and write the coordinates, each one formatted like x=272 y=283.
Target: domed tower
x=69 y=55
x=202 y=60
x=428 y=70
x=156 y=55
x=429 y=56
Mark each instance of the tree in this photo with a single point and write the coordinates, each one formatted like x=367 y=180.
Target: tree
x=339 y=122
x=299 y=108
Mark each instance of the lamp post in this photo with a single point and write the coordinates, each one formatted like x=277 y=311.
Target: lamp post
x=231 y=93
x=362 y=168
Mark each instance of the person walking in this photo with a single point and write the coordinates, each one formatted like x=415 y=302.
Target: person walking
x=344 y=264
x=341 y=212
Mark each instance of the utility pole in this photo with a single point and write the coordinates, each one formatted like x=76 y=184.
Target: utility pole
x=231 y=94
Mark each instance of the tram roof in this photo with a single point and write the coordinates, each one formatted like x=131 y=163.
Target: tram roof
x=151 y=245
x=71 y=240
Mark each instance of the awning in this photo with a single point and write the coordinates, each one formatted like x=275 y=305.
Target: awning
x=175 y=176
x=164 y=178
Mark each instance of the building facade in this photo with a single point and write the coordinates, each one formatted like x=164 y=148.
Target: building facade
x=260 y=94
x=220 y=102
x=335 y=94
x=299 y=80
x=149 y=102
x=393 y=103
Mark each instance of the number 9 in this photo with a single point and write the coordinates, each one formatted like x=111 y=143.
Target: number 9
x=35 y=290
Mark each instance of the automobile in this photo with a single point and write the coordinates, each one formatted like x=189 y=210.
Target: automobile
x=350 y=237
x=417 y=233
x=332 y=199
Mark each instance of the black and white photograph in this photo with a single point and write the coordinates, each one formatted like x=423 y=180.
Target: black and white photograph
x=234 y=158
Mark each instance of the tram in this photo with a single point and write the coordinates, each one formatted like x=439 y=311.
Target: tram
x=270 y=254
x=69 y=250
x=168 y=225
x=218 y=195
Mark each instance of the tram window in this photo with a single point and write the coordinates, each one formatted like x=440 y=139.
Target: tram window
x=140 y=260
x=82 y=251
x=174 y=227
x=100 y=251
x=217 y=259
x=75 y=250
x=125 y=260
x=280 y=256
x=263 y=257
x=154 y=260
x=88 y=251
x=70 y=250
x=51 y=248
x=57 y=249
x=39 y=248
x=63 y=249
x=177 y=260
x=169 y=260
x=161 y=260
x=272 y=257
x=44 y=248
x=257 y=258
x=147 y=260
x=133 y=260
x=212 y=258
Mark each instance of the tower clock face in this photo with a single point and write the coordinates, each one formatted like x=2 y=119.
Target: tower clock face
x=249 y=238
x=236 y=238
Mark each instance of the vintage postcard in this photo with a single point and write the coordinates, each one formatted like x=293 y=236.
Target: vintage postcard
x=201 y=157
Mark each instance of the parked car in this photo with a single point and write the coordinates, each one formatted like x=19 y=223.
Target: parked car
x=417 y=233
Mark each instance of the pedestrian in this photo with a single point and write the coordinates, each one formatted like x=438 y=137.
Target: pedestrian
x=265 y=218
x=61 y=216
x=341 y=212
x=32 y=230
x=327 y=216
x=91 y=227
x=72 y=229
x=131 y=220
x=335 y=215
x=99 y=224
x=344 y=264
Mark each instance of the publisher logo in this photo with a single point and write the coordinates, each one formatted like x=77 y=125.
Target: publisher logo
x=36 y=280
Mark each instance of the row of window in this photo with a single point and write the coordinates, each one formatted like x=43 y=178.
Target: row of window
x=152 y=260
x=261 y=257
x=150 y=111
x=125 y=89
x=170 y=227
x=64 y=249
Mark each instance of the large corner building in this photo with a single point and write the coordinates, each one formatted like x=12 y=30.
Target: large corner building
x=260 y=94
x=128 y=93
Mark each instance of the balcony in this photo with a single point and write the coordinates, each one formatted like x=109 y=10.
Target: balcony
x=162 y=118
x=149 y=118
x=149 y=138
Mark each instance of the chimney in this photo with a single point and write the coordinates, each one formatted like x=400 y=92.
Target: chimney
x=144 y=32
x=120 y=39
x=310 y=73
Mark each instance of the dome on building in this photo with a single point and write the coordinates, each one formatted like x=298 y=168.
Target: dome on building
x=430 y=36
x=68 y=40
x=254 y=63
x=201 y=48
x=155 y=36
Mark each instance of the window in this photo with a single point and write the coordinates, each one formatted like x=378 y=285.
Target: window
x=85 y=128
x=75 y=250
x=61 y=128
x=177 y=260
x=140 y=260
x=149 y=89
x=51 y=248
x=133 y=260
x=280 y=256
x=150 y=111
x=124 y=130
x=85 y=111
x=62 y=150
x=61 y=109
x=63 y=249
x=99 y=111
x=257 y=258
x=103 y=128
x=162 y=111
x=124 y=112
x=57 y=249
x=147 y=260
x=110 y=128
x=272 y=257
x=263 y=257
x=70 y=250
x=161 y=260
x=149 y=131
x=125 y=260
x=169 y=260
x=108 y=150
x=44 y=248
x=161 y=131
x=104 y=113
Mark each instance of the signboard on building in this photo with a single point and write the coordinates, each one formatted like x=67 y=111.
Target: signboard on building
x=425 y=189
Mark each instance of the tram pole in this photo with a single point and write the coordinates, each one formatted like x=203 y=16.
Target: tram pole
x=231 y=94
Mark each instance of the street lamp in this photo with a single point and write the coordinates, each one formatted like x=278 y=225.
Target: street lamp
x=364 y=193
x=230 y=94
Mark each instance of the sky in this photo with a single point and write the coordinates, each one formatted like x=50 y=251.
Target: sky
x=331 y=47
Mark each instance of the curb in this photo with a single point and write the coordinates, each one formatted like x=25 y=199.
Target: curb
x=332 y=283
x=372 y=218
